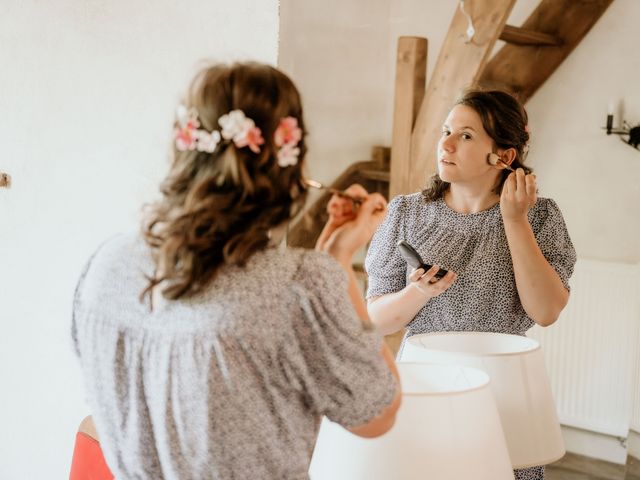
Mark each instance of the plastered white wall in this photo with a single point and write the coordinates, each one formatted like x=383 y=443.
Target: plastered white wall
x=87 y=94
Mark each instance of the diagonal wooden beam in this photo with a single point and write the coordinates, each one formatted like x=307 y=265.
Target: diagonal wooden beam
x=459 y=65
x=411 y=71
x=522 y=36
x=523 y=69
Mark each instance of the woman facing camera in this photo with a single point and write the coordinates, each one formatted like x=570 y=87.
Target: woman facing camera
x=507 y=253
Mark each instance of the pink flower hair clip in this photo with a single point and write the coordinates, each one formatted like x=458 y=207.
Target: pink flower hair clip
x=287 y=137
x=239 y=129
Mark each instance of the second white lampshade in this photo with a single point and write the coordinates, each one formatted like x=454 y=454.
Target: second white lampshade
x=519 y=383
x=447 y=428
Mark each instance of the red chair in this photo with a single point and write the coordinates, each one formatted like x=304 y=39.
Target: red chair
x=88 y=462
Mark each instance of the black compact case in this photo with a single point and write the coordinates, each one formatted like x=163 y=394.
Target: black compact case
x=413 y=258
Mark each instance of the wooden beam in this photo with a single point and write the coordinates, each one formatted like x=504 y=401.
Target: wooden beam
x=411 y=71
x=523 y=69
x=459 y=65
x=522 y=36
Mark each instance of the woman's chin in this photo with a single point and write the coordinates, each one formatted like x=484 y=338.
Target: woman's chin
x=444 y=175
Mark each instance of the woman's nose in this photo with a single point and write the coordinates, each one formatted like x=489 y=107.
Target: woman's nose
x=447 y=143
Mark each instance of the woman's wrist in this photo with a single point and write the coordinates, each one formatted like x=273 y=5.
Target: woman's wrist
x=416 y=293
x=517 y=222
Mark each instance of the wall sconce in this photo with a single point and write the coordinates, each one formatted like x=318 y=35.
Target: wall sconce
x=5 y=180
x=633 y=132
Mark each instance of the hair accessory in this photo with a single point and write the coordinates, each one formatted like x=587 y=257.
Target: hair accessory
x=286 y=137
x=189 y=137
x=239 y=129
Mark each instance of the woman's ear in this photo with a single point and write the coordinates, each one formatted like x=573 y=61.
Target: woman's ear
x=507 y=156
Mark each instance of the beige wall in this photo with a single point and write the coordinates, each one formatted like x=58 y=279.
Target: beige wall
x=337 y=52
x=342 y=55
x=594 y=178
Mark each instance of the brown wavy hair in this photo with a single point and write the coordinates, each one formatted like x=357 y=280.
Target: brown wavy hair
x=505 y=120
x=217 y=208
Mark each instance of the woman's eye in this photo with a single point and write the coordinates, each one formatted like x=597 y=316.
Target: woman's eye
x=466 y=136
x=445 y=133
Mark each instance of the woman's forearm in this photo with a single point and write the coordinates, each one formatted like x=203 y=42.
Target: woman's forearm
x=393 y=311
x=541 y=291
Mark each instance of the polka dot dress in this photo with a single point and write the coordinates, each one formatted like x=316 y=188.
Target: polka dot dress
x=484 y=297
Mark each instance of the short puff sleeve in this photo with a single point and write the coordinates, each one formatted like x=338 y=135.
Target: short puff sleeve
x=385 y=267
x=334 y=359
x=554 y=241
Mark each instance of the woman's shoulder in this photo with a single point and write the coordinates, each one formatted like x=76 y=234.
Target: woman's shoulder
x=544 y=207
x=545 y=210
x=314 y=262
x=120 y=249
x=410 y=205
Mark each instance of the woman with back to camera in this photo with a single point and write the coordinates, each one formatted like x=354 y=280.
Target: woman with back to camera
x=508 y=253
x=206 y=351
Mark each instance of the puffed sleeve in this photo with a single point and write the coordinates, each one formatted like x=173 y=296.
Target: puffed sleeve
x=333 y=359
x=385 y=267
x=77 y=306
x=553 y=239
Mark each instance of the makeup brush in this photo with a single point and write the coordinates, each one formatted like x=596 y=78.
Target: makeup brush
x=340 y=193
x=494 y=159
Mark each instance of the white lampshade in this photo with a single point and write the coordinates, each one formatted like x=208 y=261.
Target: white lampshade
x=518 y=380
x=447 y=428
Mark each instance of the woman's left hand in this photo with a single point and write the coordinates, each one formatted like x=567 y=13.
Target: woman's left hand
x=519 y=194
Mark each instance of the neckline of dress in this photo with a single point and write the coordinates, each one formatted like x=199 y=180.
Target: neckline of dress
x=448 y=209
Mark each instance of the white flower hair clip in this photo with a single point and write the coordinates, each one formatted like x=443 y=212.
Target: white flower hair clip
x=239 y=129
x=189 y=137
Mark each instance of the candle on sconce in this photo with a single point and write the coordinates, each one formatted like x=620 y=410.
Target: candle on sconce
x=610 y=110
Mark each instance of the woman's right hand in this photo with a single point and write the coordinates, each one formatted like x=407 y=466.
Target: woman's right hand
x=428 y=284
x=350 y=227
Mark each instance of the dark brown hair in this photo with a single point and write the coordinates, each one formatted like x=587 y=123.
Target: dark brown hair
x=505 y=120
x=218 y=207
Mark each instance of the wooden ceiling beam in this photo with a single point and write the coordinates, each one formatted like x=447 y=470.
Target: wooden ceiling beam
x=523 y=69
x=521 y=36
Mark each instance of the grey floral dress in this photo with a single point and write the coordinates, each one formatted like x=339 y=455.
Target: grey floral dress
x=229 y=383
x=484 y=297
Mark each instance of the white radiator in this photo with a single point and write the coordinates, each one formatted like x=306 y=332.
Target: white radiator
x=592 y=352
x=635 y=413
